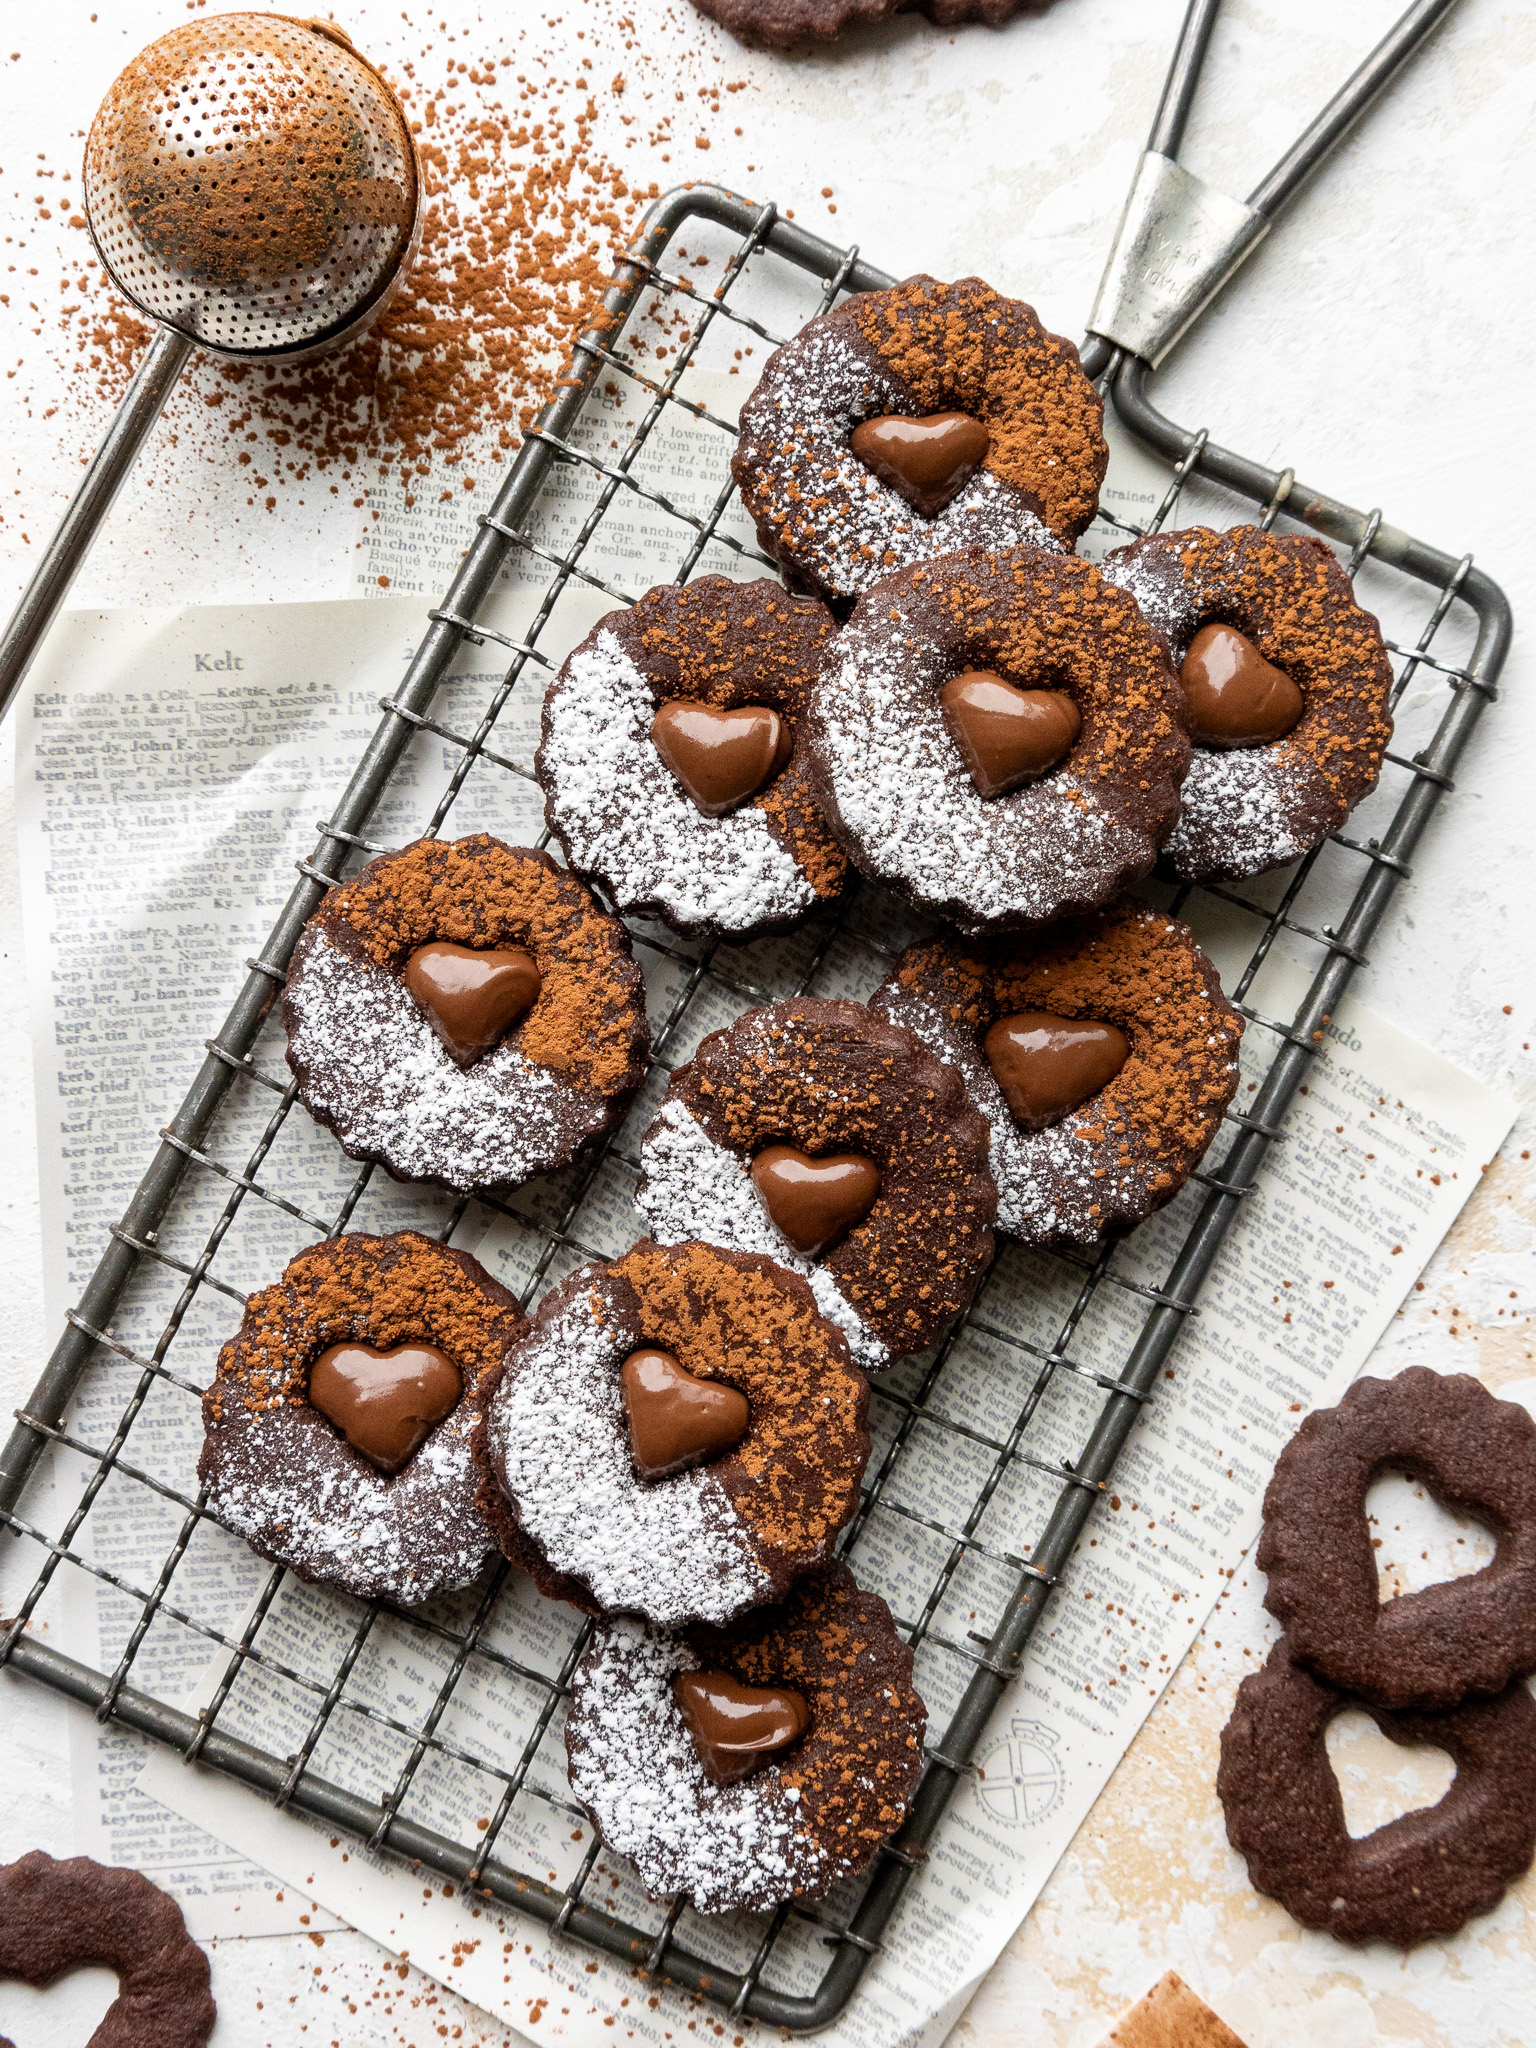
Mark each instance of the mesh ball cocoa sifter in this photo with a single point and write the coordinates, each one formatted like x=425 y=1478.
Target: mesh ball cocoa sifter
x=251 y=186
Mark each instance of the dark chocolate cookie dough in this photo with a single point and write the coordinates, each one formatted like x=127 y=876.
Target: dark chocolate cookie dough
x=725 y=668
x=555 y=1450
x=812 y=1815
x=827 y=1091
x=373 y=1063
x=791 y=24
x=1261 y=794
x=1002 y=1013
x=955 y=360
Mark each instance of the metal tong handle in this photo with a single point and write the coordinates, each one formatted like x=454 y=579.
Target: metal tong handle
x=141 y=407
x=1179 y=239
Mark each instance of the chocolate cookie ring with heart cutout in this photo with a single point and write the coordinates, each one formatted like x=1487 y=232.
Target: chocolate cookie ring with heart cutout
x=1428 y=1649
x=1422 y=1875
x=905 y=763
x=337 y=1426
x=832 y=504
x=1292 y=718
x=820 y=1079
x=673 y=761
x=1109 y=1131
x=560 y=1459
x=78 y=1915
x=467 y=1013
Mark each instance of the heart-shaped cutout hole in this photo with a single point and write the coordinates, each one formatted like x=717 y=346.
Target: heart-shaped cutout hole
x=67 y=2011
x=1233 y=697
x=721 y=757
x=737 y=1728
x=472 y=996
x=815 y=1202
x=1007 y=736
x=677 y=1420
x=926 y=460
x=1047 y=1066
x=1418 y=1542
x=1380 y=1780
x=385 y=1403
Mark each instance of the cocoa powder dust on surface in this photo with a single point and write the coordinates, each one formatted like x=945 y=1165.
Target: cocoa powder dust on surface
x=526 y=131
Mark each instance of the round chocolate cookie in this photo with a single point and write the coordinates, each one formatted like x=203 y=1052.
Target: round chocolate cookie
x=1286 y=685
x=1477 y=1456
x=834 y=1142
x=679 y=1434
x=911 y=422
x=1421 y=1875
x=78 y=1915
x=1102 y=1056
x=732 y=1798
x=673 y=761
x=997 y=737
x=790 y=24
x=338 y=1424
x=466 y=1013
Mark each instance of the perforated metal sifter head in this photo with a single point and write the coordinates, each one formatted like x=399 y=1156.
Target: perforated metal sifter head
x=250 y=181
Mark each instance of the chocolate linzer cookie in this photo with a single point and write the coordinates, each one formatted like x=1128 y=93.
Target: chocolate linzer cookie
x=747 y=1765
x=997 y=737
x=1421 y=1875
x=673 y=761
x=789 y=24
x=908 y=423
x=337 y=1427
x=679 y=1434
x=1285 y=682
x=464 y=1012
x=78 y=1915
x=1477 y=1456
x=834 y=1142
x=1101 y=1054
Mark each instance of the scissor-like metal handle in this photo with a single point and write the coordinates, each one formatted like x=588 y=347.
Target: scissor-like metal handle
x=1180 y=239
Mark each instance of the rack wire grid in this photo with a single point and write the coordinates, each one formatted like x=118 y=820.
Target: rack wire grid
x=796 y=1968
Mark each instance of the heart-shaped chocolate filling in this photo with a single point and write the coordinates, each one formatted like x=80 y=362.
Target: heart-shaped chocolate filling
x=385 y=1403
x=1233 y=697
x=926 y=460
x=815 y=1202
x=472 y=996
x=676 y=1420
x=1048 y=1066
x=736 y=1727
x=721 y=757
x=1007 y=736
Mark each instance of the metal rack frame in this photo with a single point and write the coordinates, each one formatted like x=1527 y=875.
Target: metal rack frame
x=1123 y=1384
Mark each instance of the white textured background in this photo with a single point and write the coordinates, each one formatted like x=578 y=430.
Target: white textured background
x=1381 y=344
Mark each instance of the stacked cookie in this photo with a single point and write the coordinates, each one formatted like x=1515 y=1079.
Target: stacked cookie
x=1443 y=1667
x=948 y=700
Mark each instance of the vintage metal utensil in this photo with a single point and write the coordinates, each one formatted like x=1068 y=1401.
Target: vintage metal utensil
x=252 y=187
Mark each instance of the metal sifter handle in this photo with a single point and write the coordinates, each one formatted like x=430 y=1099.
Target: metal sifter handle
x=1179 y=239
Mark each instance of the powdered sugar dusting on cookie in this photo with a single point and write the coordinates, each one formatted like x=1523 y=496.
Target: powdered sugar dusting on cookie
x=621 y=814
x=674 y=1549
x=374 y=1066
x=691 y=1187
x=634 y=1765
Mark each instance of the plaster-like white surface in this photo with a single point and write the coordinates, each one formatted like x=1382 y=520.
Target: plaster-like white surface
x=1381 y=344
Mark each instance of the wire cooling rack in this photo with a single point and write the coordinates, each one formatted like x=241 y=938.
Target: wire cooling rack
x=766 y=274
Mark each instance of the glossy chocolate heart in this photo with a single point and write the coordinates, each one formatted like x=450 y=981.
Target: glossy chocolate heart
x=472 y=996
x=676 y=1420
x=926 y=460
x=815 y=1202
x=721 y=757
x=735 y=1727
x=385 y=1403
x=1233 y=697
x=1048 y=1066
x=1006 y=736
